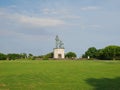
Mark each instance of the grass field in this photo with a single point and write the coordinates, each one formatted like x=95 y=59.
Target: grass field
x=59 y=75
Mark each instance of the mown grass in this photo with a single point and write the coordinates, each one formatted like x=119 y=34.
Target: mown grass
x=59 y=75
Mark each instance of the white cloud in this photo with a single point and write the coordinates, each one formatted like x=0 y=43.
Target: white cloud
x=60 y=13
x=50 y=11
x=31 y=21
x=53 y=11
x=42 y=22
x=89 y=8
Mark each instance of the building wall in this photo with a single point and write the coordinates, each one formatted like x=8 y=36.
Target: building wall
x=59 y=53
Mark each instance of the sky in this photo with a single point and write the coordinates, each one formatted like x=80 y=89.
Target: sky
x=30 y=26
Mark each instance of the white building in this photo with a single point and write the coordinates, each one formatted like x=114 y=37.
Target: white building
x=59 y=53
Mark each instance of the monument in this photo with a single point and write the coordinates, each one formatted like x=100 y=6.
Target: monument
x=59 y=49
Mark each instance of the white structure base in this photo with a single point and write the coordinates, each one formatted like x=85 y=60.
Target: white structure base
x=59 y=53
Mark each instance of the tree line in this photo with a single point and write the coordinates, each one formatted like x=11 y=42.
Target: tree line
x=14 y=56
x=111 y=52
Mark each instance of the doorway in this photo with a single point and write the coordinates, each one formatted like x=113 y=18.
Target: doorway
x=59 y=56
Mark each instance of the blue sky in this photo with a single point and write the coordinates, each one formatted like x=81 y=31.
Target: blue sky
x=30 y=26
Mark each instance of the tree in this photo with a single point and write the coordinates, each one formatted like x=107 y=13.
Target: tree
x=23 y=55
x=13 y=56
x=30 y=56
x=47 y=56
x=91 y=52
x=112 y=52
x=70 y=55
x=2 y=56
x=100 y=54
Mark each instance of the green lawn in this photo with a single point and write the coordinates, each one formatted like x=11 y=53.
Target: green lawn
x=59 y=75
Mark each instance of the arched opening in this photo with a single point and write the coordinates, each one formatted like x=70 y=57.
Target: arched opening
x=59 y=55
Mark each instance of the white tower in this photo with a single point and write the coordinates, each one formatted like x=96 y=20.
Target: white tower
x=59 y=50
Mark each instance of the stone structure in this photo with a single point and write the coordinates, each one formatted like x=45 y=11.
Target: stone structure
x=59 y=50
x=59 y=53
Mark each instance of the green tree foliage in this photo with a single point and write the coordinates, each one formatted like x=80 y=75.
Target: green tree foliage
x=47 y=56
x=111 y=52
x=99 y=54
x=2 y=56
x=31 y=57
x=23 y=55
x=13 y=56
x=91 y=52
x=70 y=55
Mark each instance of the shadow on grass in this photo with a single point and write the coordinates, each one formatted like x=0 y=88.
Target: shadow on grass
x=104 y=83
